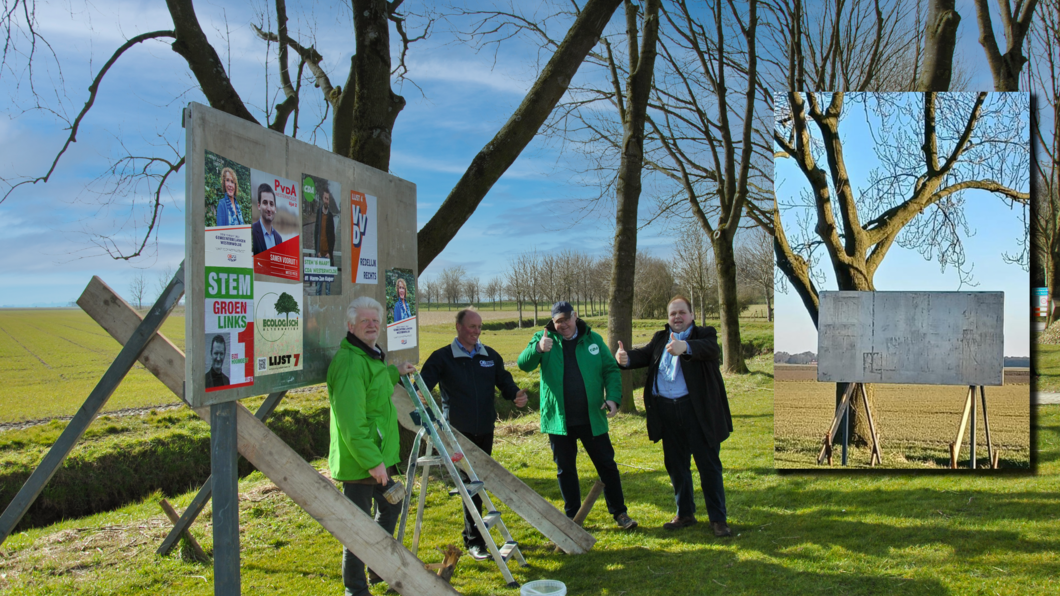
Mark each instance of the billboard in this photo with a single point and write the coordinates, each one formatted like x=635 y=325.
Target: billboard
x=930 y=338
x=281 y=236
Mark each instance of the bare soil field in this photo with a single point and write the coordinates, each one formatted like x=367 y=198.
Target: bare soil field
x=808 y=372
x=915 y=423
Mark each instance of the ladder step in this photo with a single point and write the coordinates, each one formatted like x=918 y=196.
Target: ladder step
x=507 y=549
x=473 y=488
x=433 y=460
x=491 y=519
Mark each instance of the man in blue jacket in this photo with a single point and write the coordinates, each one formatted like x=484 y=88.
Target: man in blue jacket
x=262 y=234
x=468 y=372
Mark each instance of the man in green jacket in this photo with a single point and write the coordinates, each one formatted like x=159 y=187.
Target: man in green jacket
x=364 y=427
x=576 y=368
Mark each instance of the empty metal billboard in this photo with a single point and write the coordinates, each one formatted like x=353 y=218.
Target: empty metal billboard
x=932 y=338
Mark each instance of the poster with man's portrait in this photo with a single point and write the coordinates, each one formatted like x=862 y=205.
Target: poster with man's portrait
x=321 y=234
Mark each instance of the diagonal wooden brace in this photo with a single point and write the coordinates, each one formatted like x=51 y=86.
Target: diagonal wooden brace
x=268 y=453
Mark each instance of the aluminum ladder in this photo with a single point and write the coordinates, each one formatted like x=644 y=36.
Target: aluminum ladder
x=443 y=449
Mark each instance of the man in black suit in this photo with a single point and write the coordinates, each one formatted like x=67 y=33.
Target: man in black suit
x=686 y=407
x=215 y=377
x=264 y=236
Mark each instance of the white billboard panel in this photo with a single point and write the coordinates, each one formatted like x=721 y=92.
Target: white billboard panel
x=931 y=338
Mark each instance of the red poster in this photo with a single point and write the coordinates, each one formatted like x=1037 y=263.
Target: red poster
x=280 y=261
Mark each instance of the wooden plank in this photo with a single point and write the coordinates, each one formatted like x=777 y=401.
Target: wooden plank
x=955 y=447
x=206 y=491
x=306 y=487
x=504 y=485
x=223 y=460
x=173 y=517
x=138 y=337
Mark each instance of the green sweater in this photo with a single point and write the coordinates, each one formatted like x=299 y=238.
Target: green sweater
x=364 y=426
x=599 y=372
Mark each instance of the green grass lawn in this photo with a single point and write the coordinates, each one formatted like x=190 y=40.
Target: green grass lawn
x=823 y=533
x=1047 y=365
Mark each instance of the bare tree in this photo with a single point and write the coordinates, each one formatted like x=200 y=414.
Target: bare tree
x=653 y=288
x=695 y=273
x=494 y=289
x=1016 y=22
x=1044 y=74
x=756 y=266
x=471 y=290
x=138 y=289
x=363 y=110
x=428 y=287
x=915 y=198
x=452 y=283
x=163 y=279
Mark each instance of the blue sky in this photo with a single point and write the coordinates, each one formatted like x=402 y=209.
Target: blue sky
x=995 y=228
x=466 y=96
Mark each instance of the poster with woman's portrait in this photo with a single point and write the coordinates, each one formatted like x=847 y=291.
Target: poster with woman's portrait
x=400 y=309
x=227 y=192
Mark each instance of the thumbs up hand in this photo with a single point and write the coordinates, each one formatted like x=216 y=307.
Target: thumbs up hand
x=676 y=347
x=621 y=356
x=545 y=345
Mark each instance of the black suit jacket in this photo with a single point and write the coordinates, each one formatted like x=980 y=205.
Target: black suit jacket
x=702 y=373
x=258 y=235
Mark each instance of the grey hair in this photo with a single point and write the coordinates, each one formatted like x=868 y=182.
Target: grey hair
x=364 y=302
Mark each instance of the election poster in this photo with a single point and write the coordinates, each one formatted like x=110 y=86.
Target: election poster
x=400 y=309
x=227 y=192
x=229 y=327
x=278 y=316
x=321 y=236
x=363 y=244
x=275 y=226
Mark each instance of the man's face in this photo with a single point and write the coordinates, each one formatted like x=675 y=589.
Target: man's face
x=566 y=325
x=217 y=351
x=326 y=201
x=468 y=331
x=366 y=326
x=680 y=316
x=267 y=207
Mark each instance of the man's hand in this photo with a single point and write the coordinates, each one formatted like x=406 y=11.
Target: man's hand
x=621 y=356
x=611 y=407
x=406 y=368
x=545 y=345
x=379 y=473
x=676 y=347
x=521 y=398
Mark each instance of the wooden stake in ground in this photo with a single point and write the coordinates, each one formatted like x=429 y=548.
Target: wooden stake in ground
x=173 y=517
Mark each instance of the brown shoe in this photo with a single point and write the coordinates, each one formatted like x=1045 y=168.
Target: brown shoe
x=721 y=529
x=679 y=522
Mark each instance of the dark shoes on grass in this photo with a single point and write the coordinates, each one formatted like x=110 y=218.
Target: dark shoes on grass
x=679 y=522
x=721 y=529
x=479 y=552
x=625 y=522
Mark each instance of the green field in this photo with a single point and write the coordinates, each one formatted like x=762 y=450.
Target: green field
x=51 y=359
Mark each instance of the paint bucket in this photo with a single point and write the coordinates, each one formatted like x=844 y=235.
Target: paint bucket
x=543 y=587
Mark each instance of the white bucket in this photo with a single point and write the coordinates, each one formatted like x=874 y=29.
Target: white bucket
x=543 y=587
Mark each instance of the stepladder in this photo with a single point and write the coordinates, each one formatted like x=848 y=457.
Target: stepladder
x=443 y=450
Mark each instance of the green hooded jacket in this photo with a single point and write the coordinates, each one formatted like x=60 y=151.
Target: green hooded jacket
x=599 y=371
x=364 y=426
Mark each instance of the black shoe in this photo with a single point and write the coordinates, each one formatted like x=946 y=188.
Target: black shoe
x=373 y=578
x=625 y=522
x=679 y=522
x=721 y=529
x=479 y=552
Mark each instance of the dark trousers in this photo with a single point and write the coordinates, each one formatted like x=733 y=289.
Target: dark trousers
x=472 y=537
x=386 y=516
x=602 y=454
x=683 y=439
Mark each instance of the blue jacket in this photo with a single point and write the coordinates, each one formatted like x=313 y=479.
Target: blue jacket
x=226 y=215
x=468 y=385
x=258 y=234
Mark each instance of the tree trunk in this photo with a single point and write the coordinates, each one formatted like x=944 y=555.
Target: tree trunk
x=496 y=157
x=725 y=265
x=940 y=39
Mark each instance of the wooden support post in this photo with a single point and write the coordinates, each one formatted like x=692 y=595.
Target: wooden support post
x=141 y=333
x=173 y=517
x=971 y=432
x=955 y=447
x=269 y=454
x=986 y=426
x=223 y=459
x=841 y=409
x=875 y=457
x=587 y=504
x=203 y=496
